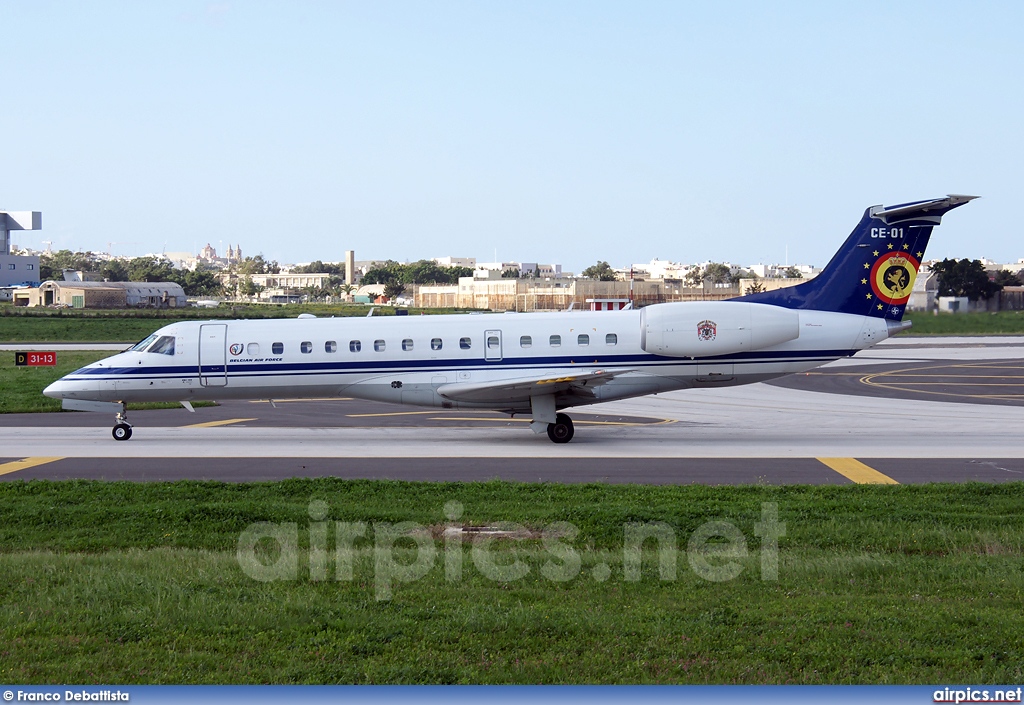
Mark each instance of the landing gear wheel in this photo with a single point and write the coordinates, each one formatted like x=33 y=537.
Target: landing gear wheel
x=561 y=431
x=122 y=432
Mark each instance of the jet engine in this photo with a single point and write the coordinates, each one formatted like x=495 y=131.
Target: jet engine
x=708 y=328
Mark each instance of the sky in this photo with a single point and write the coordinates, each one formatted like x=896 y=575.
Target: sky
x=553 y=131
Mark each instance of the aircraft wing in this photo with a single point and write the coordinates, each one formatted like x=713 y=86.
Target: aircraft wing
x=520 y=389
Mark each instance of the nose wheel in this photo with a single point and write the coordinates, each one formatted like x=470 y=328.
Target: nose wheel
x=122 y=429
x=561 y=431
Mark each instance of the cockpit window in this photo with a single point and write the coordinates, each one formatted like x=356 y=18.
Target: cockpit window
x=139 y=347
x=163 y=346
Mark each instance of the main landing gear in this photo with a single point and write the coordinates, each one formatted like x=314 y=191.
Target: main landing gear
x=561 y=431
x=122 y=429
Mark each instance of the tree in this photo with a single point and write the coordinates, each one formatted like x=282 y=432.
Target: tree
x=602 y=271
x=200 y=282
x=392 y=290
x=422 y=272
x=385 y=273
x=1005 y=277
x=347 y=289
x=257 y=265
x=717 y=273
x=249 y=288
x=511 y=273
x=53 y=264
x=792 y=273
x=756 y=288
x=318 y=267
x=150 y=269
x=694 y=277
x=964 y=278
x=114 y=270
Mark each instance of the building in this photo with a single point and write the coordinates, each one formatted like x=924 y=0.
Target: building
x=79 y=294
x=456 y=262
x=751 y=286
x=924 y=294
x=350 y=267
x=208 y=255
x=18 y=269
x=557 y=295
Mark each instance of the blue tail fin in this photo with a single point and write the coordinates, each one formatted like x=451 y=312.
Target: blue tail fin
x=873 y=273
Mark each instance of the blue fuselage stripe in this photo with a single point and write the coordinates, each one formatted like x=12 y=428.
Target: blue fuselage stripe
x=395 y=367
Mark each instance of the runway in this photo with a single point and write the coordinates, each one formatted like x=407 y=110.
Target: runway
x=904 y=412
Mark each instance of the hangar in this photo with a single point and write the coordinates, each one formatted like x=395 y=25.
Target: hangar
x=103 y=295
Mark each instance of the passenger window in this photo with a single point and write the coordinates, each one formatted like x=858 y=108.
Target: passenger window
x=583 y=339
x=465 y=343
x=306 y=347
x=435 y=344
x=277 y=348
x=164 y=345
x=492 y=342
x=611 y=339
x=331 y=346
x=407 y=344
x=355 y=346
x=525 y=341
x=378 y=345
x=555 y=341
x=253 y=349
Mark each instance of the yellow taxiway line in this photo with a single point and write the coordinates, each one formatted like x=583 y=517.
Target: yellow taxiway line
x=25 y=463
x=211 y=424
x=857 y=471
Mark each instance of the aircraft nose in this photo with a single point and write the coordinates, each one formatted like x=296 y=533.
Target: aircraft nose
x=65 y=388
x=57 y=390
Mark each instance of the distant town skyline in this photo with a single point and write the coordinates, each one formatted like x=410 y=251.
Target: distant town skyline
x=571 y=131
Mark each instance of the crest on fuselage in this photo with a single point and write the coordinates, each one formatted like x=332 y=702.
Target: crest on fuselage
x=237 y=348
x=707 y=330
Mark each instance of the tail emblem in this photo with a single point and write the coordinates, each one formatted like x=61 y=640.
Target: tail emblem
x=892 y=277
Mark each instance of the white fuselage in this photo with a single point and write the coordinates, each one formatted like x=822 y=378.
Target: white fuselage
x=407 y=359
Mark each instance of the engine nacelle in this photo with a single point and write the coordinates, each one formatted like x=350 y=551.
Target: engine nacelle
x=708 y=328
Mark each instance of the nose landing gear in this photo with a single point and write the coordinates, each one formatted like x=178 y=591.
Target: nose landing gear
x=122 y=429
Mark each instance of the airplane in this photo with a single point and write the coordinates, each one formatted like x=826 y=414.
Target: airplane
x=532 y=363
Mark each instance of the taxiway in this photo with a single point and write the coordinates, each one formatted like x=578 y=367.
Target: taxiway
x=911 y=410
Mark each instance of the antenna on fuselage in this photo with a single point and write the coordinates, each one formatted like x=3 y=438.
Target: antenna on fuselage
x=372 y=309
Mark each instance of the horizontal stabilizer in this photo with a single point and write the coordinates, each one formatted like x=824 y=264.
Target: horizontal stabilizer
x=934 y=208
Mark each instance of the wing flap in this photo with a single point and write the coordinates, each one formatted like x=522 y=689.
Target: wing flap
x=520 y=389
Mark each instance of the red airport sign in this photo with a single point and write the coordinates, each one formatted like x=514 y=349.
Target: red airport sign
x=35 y=359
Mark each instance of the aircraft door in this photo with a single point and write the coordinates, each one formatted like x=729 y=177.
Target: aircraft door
x=213 y=355
x=492 y=345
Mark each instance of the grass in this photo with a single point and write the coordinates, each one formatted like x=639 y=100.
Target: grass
x=23 y=386
x=139 y=583
x=19 y=324
x=1001 y=323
